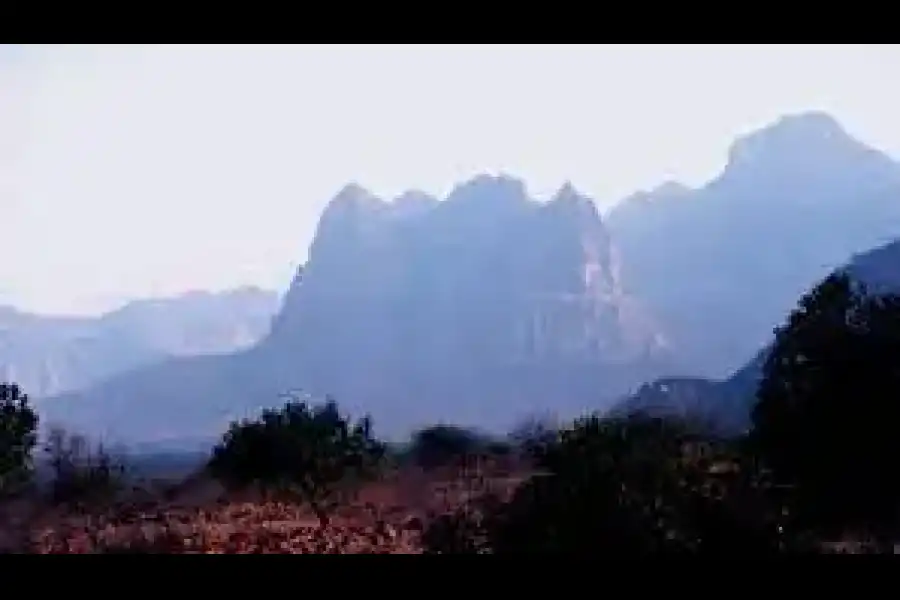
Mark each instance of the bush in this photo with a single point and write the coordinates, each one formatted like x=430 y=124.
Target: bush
x=445 y=445
x=18 y=426
x=635 y=486
x=300 y=449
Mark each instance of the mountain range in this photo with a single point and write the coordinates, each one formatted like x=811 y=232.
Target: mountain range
x=415 y=311
x=51 y=355
x=488 y=306
x=721 y=265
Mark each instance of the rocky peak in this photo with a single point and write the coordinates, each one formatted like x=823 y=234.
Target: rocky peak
x=489 y=192
x=348 y=219
x=575 y=216
x=413 y=202
x=811 y=144
x=352 y=192
x=352 y=200
x=488 y=268
x=569 y=199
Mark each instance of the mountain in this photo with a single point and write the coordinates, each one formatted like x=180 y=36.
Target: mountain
x=728 y=403
x=487 y=306
x=50 y=355
x=721 y=265
x=479 y=309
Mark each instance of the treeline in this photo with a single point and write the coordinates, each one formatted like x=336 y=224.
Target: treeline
x=816 y=468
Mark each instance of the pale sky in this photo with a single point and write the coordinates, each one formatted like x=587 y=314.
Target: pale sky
x=135 y=171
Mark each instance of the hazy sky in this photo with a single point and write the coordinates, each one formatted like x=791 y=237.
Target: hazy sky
x=145 y=171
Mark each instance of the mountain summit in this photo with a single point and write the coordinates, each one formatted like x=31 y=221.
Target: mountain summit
x=810 y=145
x=723 y=264
x=480 y=310
x=489 y=306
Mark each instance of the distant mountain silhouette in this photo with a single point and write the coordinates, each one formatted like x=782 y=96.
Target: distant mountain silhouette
x=478 y=310
x=727 y=404
x=720 y=266
x=487 y=306
x=48 y=355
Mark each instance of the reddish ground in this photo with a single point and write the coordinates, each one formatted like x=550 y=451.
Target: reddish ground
x=199 y=517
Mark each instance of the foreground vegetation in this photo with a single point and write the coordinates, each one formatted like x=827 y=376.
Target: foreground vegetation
x=814 y=469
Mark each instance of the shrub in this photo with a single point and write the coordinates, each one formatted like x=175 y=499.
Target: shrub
x=18 y=426
x=300 y=449
x=634 y=486
x=445 y=445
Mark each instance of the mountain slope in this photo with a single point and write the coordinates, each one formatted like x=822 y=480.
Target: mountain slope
x=721 y=265
x=51 y=355
x=728 y=403
x=479 y=309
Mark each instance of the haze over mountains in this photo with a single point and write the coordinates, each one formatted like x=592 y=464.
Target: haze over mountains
x=721 y=265
x=473 y=309
x=49 y=355
x=489 y=306
x=727 y=404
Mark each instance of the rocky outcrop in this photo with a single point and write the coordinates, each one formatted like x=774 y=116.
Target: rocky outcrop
x=480 y=309
x=410 y=303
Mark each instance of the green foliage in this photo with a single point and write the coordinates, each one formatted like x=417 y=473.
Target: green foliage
x=633 y=486
x=603 y=488
x=445 y=445
x=819 y=462
x=81 y=474
x=827 y=412
x=302 y=449
x=18 y=436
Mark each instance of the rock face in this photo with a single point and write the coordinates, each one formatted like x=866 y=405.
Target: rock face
x=488 y=275
x=462 y=302
x=51 y=355
x=720 y=266
x=487 y=306
x=479 y=310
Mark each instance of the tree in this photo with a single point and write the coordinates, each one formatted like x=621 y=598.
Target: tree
x=445 y=445
x=18 y=436
x=827 y=416
x=602 y=489
x=81 y=473
x=626 y=486
x=533 y=436
x=300 y=449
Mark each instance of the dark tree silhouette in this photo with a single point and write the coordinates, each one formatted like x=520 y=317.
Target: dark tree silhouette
x=444 y=445
x=628 y=486
x=18 y=427
x=299 y=449
x=602 y=490
x=828 y=409
x=82 y=473
x=533 y=436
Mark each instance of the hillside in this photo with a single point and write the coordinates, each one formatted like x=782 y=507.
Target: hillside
x=49 y=355
x=721 y=265
x=727 y=403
